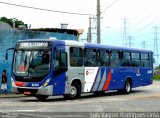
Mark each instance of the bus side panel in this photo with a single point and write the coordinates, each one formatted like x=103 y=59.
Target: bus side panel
x=111 y=79
x=147 y=76
x=104 y=76
x=118 y=77
x=141 y=76
x=120 y=74
x=74 y=73
x=99 y=79
x=136 y=77
x=59 y=84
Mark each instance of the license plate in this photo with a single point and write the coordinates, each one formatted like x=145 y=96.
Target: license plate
x=27 y=93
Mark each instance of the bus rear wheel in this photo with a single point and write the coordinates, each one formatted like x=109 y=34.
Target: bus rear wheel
x=128 y=86
x=74 y=92
x=41 y=97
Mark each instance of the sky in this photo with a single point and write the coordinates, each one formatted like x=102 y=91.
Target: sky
x=141 y=18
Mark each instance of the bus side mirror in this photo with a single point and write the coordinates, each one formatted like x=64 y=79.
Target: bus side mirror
x=7 y=52
x=6 y=55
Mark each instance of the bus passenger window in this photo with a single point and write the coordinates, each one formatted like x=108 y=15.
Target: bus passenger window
x=135 y=59
x=90 y=57
x=126 y=60
x=115 y=58
x=145 y=60
x=76 y=57
x=103 y=58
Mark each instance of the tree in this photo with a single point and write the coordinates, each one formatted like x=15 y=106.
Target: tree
x=11 y=20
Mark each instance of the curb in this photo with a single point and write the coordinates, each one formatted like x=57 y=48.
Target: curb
x=11 y=95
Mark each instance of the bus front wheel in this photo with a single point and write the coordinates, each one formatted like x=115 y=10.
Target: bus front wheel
x=74 y=92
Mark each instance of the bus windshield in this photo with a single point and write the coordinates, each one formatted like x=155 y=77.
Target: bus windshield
x=31 y=63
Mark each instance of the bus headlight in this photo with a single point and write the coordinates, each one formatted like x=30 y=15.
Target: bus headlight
x=46 y=82
x=12 y=82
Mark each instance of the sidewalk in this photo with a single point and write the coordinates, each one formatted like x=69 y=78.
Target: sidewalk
x=10 y=95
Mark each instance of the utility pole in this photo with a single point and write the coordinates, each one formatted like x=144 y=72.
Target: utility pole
x=143 y=44
x=125 y=32
x=155 y=49
x=130 y=40
x=13 y=23
x=89 y=35
x=98 y=22
x=90 y=28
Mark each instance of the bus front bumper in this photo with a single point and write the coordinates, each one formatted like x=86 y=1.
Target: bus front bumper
x=33 y=91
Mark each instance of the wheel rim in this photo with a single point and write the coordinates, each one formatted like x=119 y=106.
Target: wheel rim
x=73 y=91
x=128 y=87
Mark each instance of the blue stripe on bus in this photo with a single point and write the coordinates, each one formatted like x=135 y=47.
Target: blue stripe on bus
x=95 y=79
x=102 y=73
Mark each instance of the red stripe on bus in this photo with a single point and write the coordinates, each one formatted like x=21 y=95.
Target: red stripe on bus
x=106 y=85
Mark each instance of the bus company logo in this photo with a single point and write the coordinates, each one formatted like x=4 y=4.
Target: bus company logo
x=87 y=73
x=138 y=73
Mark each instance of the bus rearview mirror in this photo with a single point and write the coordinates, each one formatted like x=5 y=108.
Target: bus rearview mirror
x=6 y=55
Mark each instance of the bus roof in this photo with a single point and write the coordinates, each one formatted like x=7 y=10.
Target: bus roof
x=88 y=45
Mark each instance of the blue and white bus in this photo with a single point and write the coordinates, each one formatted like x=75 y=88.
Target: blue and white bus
x=50 y=67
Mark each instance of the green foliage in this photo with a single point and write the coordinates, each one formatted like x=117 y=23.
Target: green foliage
x=156 y=77
x=156 y=73
x=10 y=21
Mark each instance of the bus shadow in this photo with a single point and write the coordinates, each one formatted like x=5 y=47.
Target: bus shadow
x=84 y=96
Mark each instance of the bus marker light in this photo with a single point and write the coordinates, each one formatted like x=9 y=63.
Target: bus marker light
x=19 y=83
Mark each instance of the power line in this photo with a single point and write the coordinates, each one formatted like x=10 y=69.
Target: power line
x=146 y=26
x=109 y=6
x=143 y=11
x=73 y=13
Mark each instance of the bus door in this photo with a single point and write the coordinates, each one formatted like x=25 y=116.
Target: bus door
x=59 y=69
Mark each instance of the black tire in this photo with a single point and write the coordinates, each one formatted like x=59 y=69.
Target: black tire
x=128 y=87
x=41 y=97
x=75 y=92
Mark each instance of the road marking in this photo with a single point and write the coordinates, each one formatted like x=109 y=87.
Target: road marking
x=18 y=110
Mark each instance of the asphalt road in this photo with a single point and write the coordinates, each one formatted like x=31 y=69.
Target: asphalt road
x=143 y=99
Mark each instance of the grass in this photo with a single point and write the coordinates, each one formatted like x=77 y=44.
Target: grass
x=156 y=77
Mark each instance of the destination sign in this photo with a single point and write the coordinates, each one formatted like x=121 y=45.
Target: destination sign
x=34 y=45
